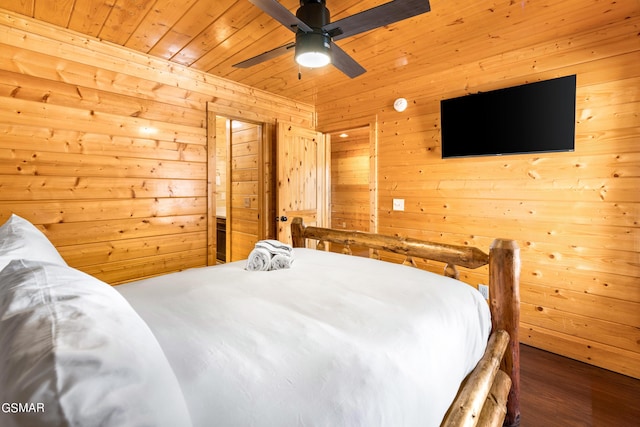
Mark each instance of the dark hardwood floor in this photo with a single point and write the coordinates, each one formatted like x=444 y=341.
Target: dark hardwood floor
x=557 y=391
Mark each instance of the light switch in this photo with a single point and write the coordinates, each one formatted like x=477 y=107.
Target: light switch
x=398 y=204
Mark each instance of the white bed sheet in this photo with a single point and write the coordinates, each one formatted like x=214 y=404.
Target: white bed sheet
x=333 y=341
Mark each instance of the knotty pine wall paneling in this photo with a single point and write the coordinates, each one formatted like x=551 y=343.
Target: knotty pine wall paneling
x=246 y=173
x=221 y=165
x=576 y=216
x=105 y=149
x=350 y=179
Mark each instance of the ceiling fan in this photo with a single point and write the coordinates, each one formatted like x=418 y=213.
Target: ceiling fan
x=315 y=33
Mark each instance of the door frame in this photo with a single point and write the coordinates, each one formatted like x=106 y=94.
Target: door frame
x=372 y=124
x=266 y=183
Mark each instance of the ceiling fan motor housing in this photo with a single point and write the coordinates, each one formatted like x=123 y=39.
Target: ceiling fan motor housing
x=315 y=14
x=315 y=33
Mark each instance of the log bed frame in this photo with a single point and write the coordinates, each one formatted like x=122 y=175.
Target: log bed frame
x=489 y=396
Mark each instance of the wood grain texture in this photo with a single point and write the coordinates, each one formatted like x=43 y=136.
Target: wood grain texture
x=108 y=152
x=560 y=391
x=470 y=257
x=302 y=177
x=211 y=37
x=482 y=390
x=245 y=159
x=494 y=410
x=350 y=179
x=504 y=299
x=576 y=216
x=470 y=402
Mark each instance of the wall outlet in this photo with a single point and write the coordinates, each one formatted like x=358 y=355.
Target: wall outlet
x=398 y=204
x=484 y=290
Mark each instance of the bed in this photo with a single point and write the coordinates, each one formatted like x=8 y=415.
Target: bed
x=333 y=340
x=490 y=394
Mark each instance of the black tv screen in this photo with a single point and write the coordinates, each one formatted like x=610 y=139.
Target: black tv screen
x=531 y=118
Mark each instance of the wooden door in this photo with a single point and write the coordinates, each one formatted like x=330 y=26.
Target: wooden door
x=302 y=178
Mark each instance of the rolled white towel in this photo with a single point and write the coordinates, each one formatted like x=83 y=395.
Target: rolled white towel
x=259 y=260
x=276 y=244
x=280 y=261
x=275 y=247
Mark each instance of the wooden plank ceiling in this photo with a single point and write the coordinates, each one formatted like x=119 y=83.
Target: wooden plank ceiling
x=212 y=35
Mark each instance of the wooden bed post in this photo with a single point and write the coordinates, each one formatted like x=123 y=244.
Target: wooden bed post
x=504 y=295
x=482 y=398
x=297 y=231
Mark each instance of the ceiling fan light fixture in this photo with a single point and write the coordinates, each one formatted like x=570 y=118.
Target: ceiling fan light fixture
x=313 y=50
x=313 y=59
x=315 y=32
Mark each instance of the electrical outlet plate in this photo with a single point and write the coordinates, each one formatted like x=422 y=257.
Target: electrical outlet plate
x=398 y=204
x=484 y=290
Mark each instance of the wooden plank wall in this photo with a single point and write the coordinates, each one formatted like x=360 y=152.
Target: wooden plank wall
x=105 y=149
x=575 y=215
x=221 y=166
x=350 y=183
x=246 y=139
x=350 y=179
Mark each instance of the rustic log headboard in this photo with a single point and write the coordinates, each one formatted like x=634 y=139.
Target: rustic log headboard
x=482 y=400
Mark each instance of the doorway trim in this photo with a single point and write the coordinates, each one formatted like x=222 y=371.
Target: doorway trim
x=372 y=123
x=266 y=183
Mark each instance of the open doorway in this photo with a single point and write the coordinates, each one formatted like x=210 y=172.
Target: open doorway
x=352 y=182
x=239 y=188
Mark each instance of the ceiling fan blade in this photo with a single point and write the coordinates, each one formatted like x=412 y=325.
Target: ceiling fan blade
x=378 y=16
x=274 y=53
x=282 y=15
x=343 y=62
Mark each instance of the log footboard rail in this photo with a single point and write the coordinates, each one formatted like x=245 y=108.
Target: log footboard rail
x=490 y=395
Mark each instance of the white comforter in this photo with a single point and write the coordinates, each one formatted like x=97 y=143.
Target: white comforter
x=333 y=341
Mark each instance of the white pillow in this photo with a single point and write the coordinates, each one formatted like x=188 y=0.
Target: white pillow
x=73 y=352
x=19 y=239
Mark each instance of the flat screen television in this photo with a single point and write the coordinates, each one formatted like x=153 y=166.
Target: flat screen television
x=531 y=118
